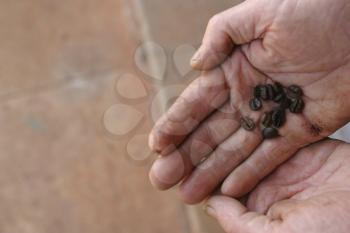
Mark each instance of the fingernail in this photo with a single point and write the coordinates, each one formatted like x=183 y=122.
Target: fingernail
x=151 y=142
x=196 y=59
x=168 y=170
x=210 y=211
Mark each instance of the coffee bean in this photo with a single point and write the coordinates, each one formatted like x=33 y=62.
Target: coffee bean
x=269 y=133
x=267 y=119
x=278 y=117
x=270 y=92
x=257 y=91
x=255 y=104
x=294 y=92
x=264 y=93
x=296 y=106
x=285 y=103
x=247 y=123
x=279 y=97
x=278 y=88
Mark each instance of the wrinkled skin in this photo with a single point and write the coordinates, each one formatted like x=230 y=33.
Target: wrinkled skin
x=303 y=42
x=309 y=193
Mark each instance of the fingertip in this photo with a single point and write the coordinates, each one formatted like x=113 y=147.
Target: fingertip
x=238 y=184
x=210 y=211
x=151 y=144
x=196 y=60
x=213 y=205
x=161 y=143
x=187 y=196
x=154 y=141
x=232 y=187
x=156 y=183
x=167 y=171
x=226 y=189
x=205 y=64
x=214 y=201
x=226 y=206
x=223 y=206
x=207 y=59
x=196 y=188
x=196 y=64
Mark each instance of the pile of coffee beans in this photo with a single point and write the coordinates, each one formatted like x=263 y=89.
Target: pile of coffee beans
x=285 y=98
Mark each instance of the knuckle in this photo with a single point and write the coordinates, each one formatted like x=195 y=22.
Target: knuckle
x=215 y=20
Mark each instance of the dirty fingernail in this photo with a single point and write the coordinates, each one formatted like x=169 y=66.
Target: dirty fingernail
x=196 y=59
x=210 y=210
x=152 y=143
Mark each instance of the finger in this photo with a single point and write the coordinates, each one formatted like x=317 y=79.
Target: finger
x=263 y=160
x=292 y=176
x=238 y=25
x=234 y=217
x=169 y=170
x=210 y=173
x=202 y=97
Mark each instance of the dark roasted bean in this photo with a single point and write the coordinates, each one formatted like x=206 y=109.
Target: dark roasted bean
x=278 y=117
x=296 y=106
x=285 y=103
x=279 y=97
x=294 y=92
x=264 y=93
x=247 y=123
x=267 y=119
x=257 y=91
x=269 y=133
x=255 y=104
x=270 y=92
x=278 y=88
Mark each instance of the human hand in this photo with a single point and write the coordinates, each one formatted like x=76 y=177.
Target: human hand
x=292 y=42
x=309 y=193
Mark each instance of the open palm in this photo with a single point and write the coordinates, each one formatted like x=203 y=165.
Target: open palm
x=292 y=42
x=295 y=198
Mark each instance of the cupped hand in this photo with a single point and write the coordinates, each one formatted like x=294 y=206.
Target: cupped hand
x=309 y=193
x=306 y=43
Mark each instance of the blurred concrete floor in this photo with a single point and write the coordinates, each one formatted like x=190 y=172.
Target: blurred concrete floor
x=60 y=169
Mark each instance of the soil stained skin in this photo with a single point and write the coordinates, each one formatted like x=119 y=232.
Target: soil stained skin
x=315 y=130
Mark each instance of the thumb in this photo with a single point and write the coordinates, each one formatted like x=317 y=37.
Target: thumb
x=238 y=25
x=235 y=218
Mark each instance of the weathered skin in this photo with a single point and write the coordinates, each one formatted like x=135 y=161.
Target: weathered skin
x=302 y=42
x=309 y=193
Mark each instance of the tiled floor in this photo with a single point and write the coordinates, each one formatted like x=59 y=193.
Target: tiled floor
x=60 y=170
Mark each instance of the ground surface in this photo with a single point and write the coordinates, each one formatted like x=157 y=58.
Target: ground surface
x=60 y=169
